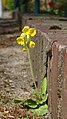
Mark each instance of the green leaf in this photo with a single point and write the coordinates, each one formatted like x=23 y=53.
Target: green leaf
x=43 y=99
x=18 y=100
x=44 y=86
x=26 y=117
x=36 y=93
x=42 y=110
x=31 y=103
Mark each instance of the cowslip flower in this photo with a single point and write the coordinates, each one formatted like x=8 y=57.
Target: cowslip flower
x=32 y=44
x=26 y=30
x=20 y=40
x=32 y=32
x=25 y=38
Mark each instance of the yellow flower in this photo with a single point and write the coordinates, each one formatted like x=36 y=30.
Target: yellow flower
x=32 y=32
x=24 y=49
x=26 y=30
x=20 y=40
x=32 y=44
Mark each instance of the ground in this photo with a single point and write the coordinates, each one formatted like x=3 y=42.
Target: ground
x=14 y=71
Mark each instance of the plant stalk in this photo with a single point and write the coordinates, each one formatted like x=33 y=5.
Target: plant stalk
x=31 y=68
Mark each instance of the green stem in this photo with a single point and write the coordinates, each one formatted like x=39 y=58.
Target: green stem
x=33 y=117
x=31 y=68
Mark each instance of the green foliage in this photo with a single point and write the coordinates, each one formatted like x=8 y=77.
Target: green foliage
x=26 y=117
x=36 y=93
x=10 y=4
x=42 y=100
x=30 y=6
x=42 y=110
x=44 y=86
x=31 y=103
x=18 y=100
x=38 y=105
x=59 y=7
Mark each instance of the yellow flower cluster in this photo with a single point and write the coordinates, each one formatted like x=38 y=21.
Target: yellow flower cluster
x=25 y=38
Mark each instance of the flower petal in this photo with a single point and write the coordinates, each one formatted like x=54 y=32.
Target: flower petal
x=32 y=44
x=20 y=40
x=32 y=32
x=26 y=30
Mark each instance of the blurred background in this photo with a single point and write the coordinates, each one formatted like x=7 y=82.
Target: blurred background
x=57 y=7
